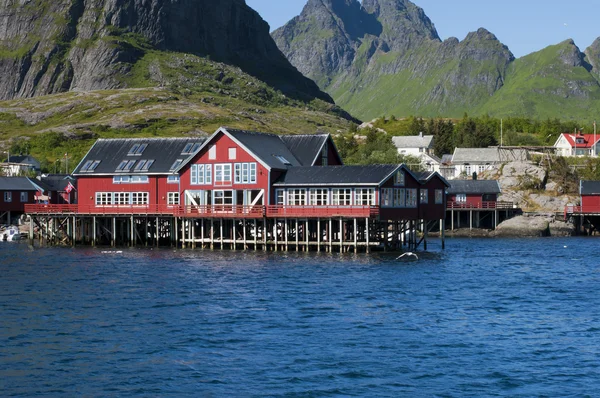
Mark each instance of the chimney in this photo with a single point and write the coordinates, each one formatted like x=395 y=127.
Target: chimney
x=421 y=134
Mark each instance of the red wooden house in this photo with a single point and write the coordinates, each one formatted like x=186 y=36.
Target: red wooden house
x=473 y=194
x=15 y=193
x=590 y=198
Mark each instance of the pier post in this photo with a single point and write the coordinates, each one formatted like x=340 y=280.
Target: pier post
x=318 y=235
x=330 y=236
x=443 y=223
x=367 y=235
x=255 y=235
x=221 y=232
x=265 y=234
x=176 y=232
x=307 y=235
x=31 y=236
x=355 y=236
x=287 y=231
x=297 y=236
x=114 y=232
x=275 y=234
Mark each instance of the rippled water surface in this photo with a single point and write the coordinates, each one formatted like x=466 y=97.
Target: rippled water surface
x=483 y=318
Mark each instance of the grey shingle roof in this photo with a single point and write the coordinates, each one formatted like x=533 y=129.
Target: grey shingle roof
x=466 y=155
x=24 y=159
x=337 y=175
x=413 y=141
x=55 y=182
x=474 y=187
x=266 y=147
x=16 y=184
x=305 y=147
x=590 y=188
x=111 y=152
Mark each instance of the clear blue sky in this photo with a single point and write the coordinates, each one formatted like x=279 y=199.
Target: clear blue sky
x=524 y=26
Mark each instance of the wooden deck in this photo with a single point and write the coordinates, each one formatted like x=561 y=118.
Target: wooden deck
x=481 y=206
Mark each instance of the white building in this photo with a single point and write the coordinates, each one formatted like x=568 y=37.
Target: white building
x=419 y=146
x=467 y=161
x=577 y=145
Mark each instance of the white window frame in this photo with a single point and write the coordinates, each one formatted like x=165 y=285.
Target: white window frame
x=139 y=180
x=280 y=196
x=140 y=198
x=364 y=197
x=341 y=197
x=104 y=199
x=121 y=198
x=173 y=180
x=223 y=173
x=461 y=198
x=318 y=197
x=219 y=195
x=296 y=197
x=172 y=198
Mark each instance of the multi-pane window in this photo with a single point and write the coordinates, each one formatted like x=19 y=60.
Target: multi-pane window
x=140 y=198
x=24 y=197
x=461 y=198
x=223 y=197
x=8 y=196
x=121 y=198
x=341 y=197
x=280 y=197
x=139 y=179
x=319 y=197
x=399 y=178
x=121 y=179
x=411 y=197
x=364 y=197
x=222 y=173
x=103 y=198
x=424 y=193
x=296 y=197
x=201 y=174
x=387 y=197
x=172 y=179
x=245 y=173
x=173 y=198
x=399 y=197
x=324 y=153
x=439 y=196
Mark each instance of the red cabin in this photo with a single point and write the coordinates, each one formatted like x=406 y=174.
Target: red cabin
x=15 y=193
x=590 y=198
x=473 y=194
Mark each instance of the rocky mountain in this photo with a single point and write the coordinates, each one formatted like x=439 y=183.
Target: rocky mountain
x=53 y=46
x=384 y=57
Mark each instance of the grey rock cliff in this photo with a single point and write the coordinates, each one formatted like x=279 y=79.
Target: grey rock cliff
x=592 y=54
x=60 y=45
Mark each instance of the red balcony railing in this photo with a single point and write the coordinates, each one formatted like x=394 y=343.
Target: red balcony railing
x=481 y=206
x=214 y=211
x=322 y=211
x=582 y=210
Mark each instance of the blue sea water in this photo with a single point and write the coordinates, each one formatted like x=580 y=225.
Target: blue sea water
x=508 y=317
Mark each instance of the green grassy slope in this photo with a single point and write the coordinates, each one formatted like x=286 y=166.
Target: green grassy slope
x=172 y=95
x=545 y=84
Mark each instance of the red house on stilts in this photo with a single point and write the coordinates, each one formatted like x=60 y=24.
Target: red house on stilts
x=242 y=189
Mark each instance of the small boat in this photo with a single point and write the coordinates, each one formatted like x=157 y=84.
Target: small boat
x=11 y=234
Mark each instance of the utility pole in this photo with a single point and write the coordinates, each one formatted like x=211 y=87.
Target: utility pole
x=595 y=142
x=501 y=126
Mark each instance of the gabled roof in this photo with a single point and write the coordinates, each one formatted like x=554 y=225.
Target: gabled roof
x=474 y=187
x=16 y=184
x=589 y=187
x=56 y=182
x=351 y=176
x=307 y=147
x=111 y=153
x=466 y=155
x=425 y=176
x=268 y=147
x=24 y=160
x=588 y=140
x=413 y=141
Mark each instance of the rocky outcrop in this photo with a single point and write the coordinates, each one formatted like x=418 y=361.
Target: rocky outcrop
x=55 y=46
x=538 y=225
x=592 y=54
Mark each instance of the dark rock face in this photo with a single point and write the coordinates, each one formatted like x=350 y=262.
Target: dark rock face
x=60 y=45
x=347 y=47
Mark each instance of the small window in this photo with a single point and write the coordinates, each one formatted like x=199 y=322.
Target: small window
x=172 y=198
x=139 y=179
x=133 y=149
x=141 y=149
x=424 y=196
x=196 y=147
x=172 y=179
x=282 y=160
x=176 y=164
x=24 y=197
x=212 y=152
x=399 y=178
x=439 y=196
x=140 y=165
x=232 y=153
x=129 y=165
x=188 y=149
x=94 y=165
x=86 y=166
x=148 y=164
x=122 y=165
